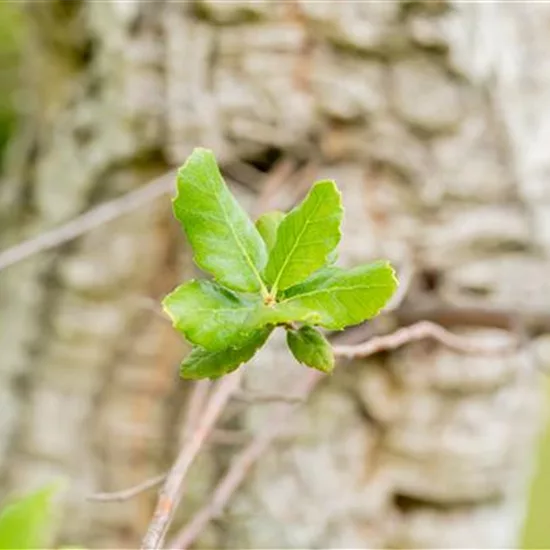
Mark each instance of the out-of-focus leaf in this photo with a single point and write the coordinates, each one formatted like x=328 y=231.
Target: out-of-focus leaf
x=24 y=523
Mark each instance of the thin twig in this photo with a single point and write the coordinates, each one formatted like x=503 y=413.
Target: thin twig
x=196 y=405
x=238 y=470
x=95 y=217
x=173 y=488
x=244 y=461
x=131 y=492
x=112 y=210
x=421 y=331
x=253 y=398
x=536 y=320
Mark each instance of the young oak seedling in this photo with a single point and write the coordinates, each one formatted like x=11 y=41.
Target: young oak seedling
x=277 y=272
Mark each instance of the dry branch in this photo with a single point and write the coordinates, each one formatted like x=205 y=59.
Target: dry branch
x=127 y=494
x=242 y=463
x=197 y=401
x=173 y=488
x=238 y=470
x=421 y=331
x=95 y=217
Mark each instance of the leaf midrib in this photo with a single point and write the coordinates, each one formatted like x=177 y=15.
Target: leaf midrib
x=294 y=247
x=331 y=290
x=248 y=259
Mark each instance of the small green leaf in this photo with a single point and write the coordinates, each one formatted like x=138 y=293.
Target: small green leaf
x=313 y=281
x=212 y=316
x=306 y=236
x=24 y=524
x=267 y=224
x=225 y=241
x=341 y=298
x=216 y=318
x=202 y=363
x=310 y=347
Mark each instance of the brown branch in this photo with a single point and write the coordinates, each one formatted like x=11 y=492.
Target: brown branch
x=131 y=492
x=238 y=470
x=536 y=321
x=196 y=405
x=173 y=488
x=242 y=463
x=95 y=217
x=421 y=331
x=253 y=398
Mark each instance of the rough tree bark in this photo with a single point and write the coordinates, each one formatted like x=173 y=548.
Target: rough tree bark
x=426 y=113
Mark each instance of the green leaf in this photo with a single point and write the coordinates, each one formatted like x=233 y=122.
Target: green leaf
x=225 y=241
x=216 y=318
x=310 y=347
x=202 y=363
x=212 y=316
x=341 y=297
x=267 y=225
x=306 y=237
x=24 y=523
x=314 y=280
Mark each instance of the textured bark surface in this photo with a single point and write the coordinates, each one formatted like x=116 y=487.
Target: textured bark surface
x=426 y=113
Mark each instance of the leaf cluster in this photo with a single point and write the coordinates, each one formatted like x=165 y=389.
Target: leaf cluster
x=277 y=272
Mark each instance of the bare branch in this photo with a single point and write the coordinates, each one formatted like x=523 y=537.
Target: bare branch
x=253 y=398
x=535 y=320
x=238 y=470
x=95 y=217
x=421 y=331
x=129 y=493
x=196 y=405
x=244 y=461
x=173 y=488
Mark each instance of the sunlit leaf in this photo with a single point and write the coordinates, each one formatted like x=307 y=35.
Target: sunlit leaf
x=202 y=363
x=225 y=241
x=212 y=316
x=216 y=318
x=306 y=236
x=347 y=297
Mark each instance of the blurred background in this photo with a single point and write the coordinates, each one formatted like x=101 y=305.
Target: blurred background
x=432 y=116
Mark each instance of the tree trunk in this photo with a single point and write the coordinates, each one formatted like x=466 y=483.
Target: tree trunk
x=427 y=115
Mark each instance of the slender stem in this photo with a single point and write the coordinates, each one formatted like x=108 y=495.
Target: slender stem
x=239 y=468
x=242 y=463
x=127 y=494
x=173 y=488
